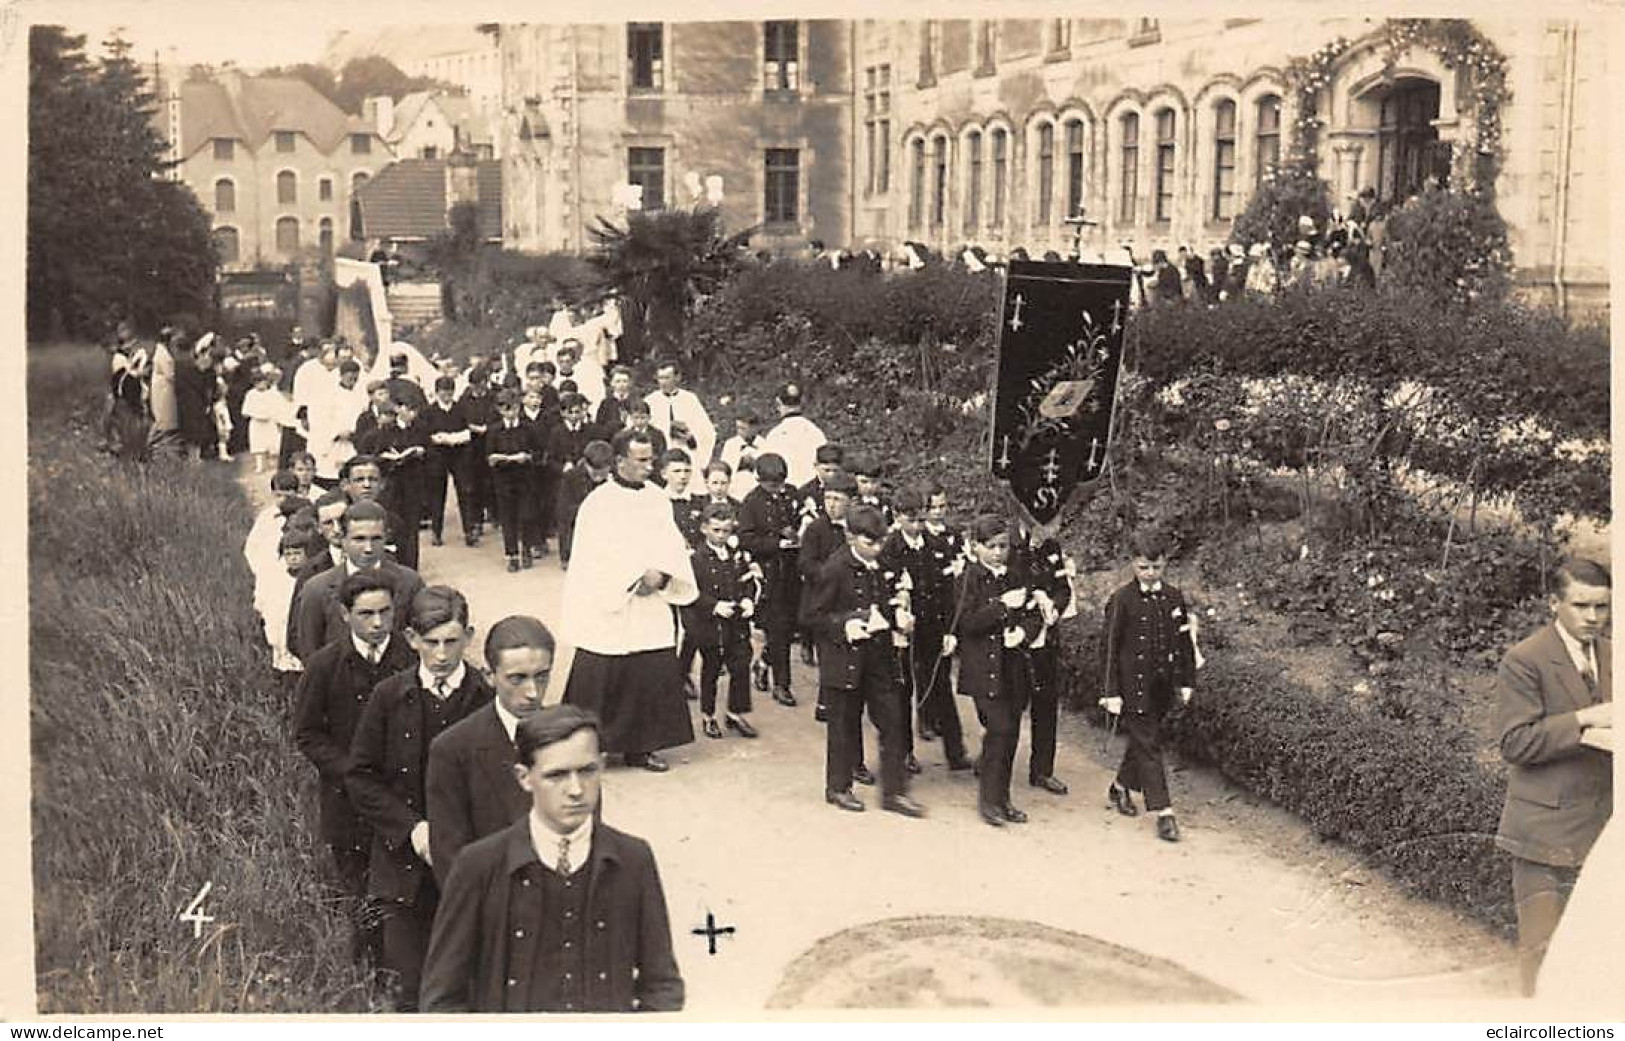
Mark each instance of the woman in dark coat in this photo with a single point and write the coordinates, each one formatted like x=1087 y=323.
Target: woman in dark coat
x=195 y=390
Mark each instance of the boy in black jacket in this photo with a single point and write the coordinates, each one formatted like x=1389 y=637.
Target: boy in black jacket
x=446 y=423
x=854 y=613
x=510 y=448
x=767 y=529
x=578 y=482
x=823 y=537
x=718 y=621
x=1150 y=657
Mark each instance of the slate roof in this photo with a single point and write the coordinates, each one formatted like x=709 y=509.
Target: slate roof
x=251 y=108
x=407 y=200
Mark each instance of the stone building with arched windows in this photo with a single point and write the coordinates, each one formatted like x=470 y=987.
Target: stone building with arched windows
x=997 y=131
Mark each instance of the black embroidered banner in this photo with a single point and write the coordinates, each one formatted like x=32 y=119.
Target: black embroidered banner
x=1060 y=351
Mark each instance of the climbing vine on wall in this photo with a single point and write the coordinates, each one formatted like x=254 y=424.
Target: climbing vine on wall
x=1459 y=46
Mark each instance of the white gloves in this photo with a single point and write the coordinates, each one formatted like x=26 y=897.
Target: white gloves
x=1113 y=705
x=1013 y=598
x=856 y=630
x=747 y=609
x=905 y=620
x=1185 y=695
x=724 y=609
x=420 y=840
x=950 y=643
x=1013 y=637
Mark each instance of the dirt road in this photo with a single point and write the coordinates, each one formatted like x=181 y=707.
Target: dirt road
x=1250 y=901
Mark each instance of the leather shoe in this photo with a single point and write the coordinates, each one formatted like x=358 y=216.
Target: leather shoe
x=902 y=804
x=758 y=675
x=820 y=714
x=513 y=564
x=845 y=800
x=1167 y=827
x=740 y=726
x=435 y=540
x=991 y=815
x=1011 y=814
x=911 y=764
x=1049 y=784
x=710 y=727
x=960 y=764
x=652 y=763
x=1122 y=801
x=785 y=698
x=863 y=775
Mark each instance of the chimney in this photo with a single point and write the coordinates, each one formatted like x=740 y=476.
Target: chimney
x=462 y=179
x=380 y=112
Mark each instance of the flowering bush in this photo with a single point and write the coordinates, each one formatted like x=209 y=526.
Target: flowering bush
x=1286 y=194
x=1450 y=246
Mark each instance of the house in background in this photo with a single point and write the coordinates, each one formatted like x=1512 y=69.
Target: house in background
x=273 y=162
x=431 y=125
x=410 y=201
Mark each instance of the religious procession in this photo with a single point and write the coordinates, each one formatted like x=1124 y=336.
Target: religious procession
x=1163 y=488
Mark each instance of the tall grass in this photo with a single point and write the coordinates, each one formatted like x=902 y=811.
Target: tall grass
x=161 y=756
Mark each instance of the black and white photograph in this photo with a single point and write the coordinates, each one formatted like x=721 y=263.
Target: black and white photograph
x=773 y=513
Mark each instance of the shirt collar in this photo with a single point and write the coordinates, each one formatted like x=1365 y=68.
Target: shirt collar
x=509 y=721
x=366 y=650
x=868 y=565
x=427 y=680
x=996 y=572
x=912 y=542
x=624 y=483
x=720 y=551
x=545 y=841
x=1147 y=590
x=1582 y=654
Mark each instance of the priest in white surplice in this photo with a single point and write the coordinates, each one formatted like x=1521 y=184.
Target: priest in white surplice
x=629 y=567
x=671 y=406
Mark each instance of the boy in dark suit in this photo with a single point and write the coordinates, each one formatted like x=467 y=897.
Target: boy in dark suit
x=1044 y=569
x=854 y=613
x=565 y=443
x=990 y=630
x=907 y=549
x=510 y=448
x=445 y=423
x=536 y=521
x=939 y=713
x=470 y=789
x=318 y=615
x=479 y=407
x=389 y=760
x=591 y=470
x=865 y=470
x=337 y=682
x=1554 y=695
x=718 y=621
x=822 y=537
x=403 y=449
x=558 y=912
x=767 y=530
x=1150 y=657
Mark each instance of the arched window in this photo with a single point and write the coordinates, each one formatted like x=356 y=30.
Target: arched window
x=287 y=234
x=325 y=235
x=226 y=244
x=287 y=187
x=225 y=196
x=1001 y=174
x=1165 y=164
x=1074 y=167
x=1224 y=160
x=973 y=189
x=1046 y=172
x=916 y=197
x=1129 y=201
x=939 y=182
x=1267 y=138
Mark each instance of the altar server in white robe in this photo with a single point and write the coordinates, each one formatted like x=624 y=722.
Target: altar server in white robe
x=671 y=405
x=629 y=567
x=795 y=438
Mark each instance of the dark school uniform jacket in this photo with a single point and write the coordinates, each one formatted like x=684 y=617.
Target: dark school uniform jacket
x=979 y=626
x=763 y=516
x=628 y=956
x=845 y=588
x=735 y=578
x=470 y=788
x=389 y=765
x=1148 y=648
x=333 y=691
